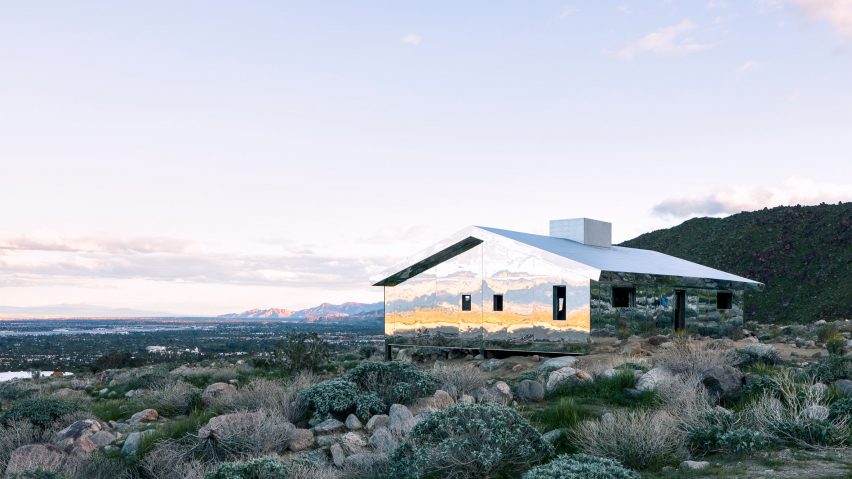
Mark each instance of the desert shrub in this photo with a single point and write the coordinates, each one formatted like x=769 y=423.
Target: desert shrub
x=757 y=386
x=831 y=369
x=35 y=474
x=174 y=459
x=101 y=466
x=274 y=396
x=638 y=439
x=464 y=377
x=366 y=352
x=825 y=332
x=377 y=466
x=15 y=434
x=840 y=409
x=564 y=413
x=172 y=398
x=581 y=466
x=243 y=434
x=300 y=352
x=267 y=467
x=41 y=412
x=395 y=382
x=339 y=397
x=721 y=433
x=836 y=345
x=470 y=441
x=743 y=440
x=752 y=354
x=15 y=392
x=689 y=358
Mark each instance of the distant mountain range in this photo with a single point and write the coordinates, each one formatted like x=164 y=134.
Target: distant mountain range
x=802 y=253
x=77 y=311
x=325 y=311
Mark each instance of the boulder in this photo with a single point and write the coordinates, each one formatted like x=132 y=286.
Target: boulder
x=400 y=420
x=450 y=389
x=377 y=421
x=383 y=441
x=133 y=441
x=500 y=393
x=491 y=365
x=300 y=439
x=36 y=456
x=352 y=443
x=552 y=436
x=553 y=364
x=724 y=382
x=657 y=340
x=561 y=376
x=652 y=379
x=218 y=393
x=76 y=438
x=529 y=390
x=693 y=465
x=66 y=393
x=443 y=399
x=337 y=455
x=146 y=415
x=607 y=418
x=103 y=438
x=353 y=423
x=328 y=426
x=815 y=413
x=535 y=358
x=479 y=394
x=844 y=387
x=327 y=440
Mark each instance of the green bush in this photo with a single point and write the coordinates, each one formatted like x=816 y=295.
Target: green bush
x=742 y=440
x=267 y=467
x=339 y=397
x=395 y=382
x=14 y=392
x=469 y=442
x=752 y=354
x=812 y=433
x=836 y=345
x=610 y=390
x=841 y=408
x=41 y=411
x=565 y=413
x=300 y=352
x=581 y=466
x=831 y=369
x=35 y=474
x=825 y=332
x=758 y=385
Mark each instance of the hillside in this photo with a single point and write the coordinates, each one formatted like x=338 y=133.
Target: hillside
x=802 y=253
x=325 y=311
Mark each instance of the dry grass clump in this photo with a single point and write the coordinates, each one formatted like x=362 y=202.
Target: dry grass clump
x=637 y=438
x=172 y=398
x=243 y=434
x=688 y=358
x=464 y=377
x=311 y=471
x=174 y=459
x=14 y=435
x=274 y=397
x=685 y=401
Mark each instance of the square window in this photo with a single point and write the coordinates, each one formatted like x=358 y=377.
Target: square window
x=559 y=306
x=622 y=297
x=465 y=302
x=498 y=302
x=724 y=300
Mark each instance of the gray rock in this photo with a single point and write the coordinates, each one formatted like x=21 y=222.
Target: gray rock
x=300 y=439
x=352 y=423
x=844 y=386
x=607 y=417
x=500 y=393
x=561 y=376
x=383 y=441
x=652 y=379
x=103 y=438
x=337 y=455
x=76 y=438
x=36 y=456
x=552 y=436
x=451 y=389
x=819 y=389
x=530 y=391
x=632 y=393
x=146 y=415
x=815 y=412
x=491 y=365
x=479 y=394
x=133 y=441
x=352 y=443
x=327 y=440
x=553 y=364
x=218 y=393
x=478 y=357
x=377 y=421
x=693 y=465
x=535 y=358
x=443 y=399
x=400 y=420
x=610 y=373
x=327 y=426
x=724 y=382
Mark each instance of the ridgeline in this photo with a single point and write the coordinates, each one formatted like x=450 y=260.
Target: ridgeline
x=802 y=253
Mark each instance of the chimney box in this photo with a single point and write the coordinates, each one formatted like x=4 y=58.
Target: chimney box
x=583 y=230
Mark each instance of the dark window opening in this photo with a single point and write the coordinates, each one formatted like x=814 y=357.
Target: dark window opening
x=465 y=302
x=498 y=302
x=622 y=297
x=559 y=306
x=724 y=300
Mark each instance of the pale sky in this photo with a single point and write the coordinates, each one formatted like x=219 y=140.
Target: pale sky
x=205 y=157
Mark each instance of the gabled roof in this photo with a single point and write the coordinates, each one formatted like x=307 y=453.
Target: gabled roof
x=617 y=259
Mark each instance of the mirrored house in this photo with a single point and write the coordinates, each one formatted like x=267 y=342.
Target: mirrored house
x=493 y=289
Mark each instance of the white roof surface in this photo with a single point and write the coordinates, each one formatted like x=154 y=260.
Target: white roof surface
x=618 y=258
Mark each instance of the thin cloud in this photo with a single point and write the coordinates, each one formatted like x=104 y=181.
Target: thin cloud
x=623 y=9
x=568 y=12
x=669 y=40
x=412 y=39
x=795 y=191
x=748 y=66
x=836 y=12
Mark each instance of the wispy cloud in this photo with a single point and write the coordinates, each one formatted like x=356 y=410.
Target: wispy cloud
x=412 y=39
x=669 y=40
x=623 y=9
x=748 y=66
x=836 y=12
x=749 y=198
x=568 y=12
